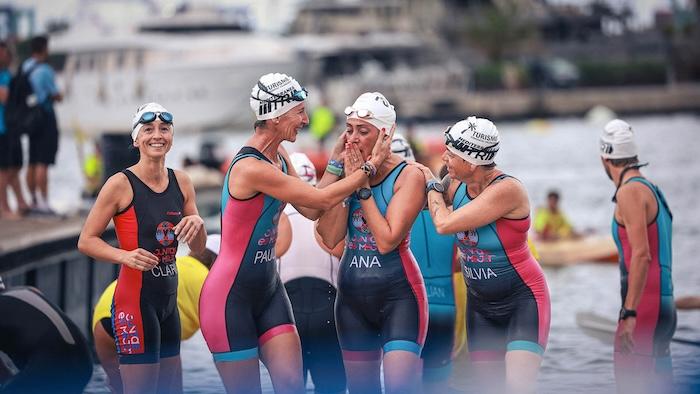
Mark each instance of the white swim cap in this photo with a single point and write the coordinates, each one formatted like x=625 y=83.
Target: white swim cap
x=474 y=139
x=617 y=140
x=400 y=146
x=148 y=107
x=213 y=243
x=373 y=108
x=304 y=167
x=274 y=95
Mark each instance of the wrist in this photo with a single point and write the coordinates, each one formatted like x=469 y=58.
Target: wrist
x=627 y=313
x=335 y=167
x=369 y=169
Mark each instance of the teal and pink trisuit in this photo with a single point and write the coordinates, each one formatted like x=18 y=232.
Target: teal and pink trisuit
x=508 y=305
x=656 y=312
x=243 y=303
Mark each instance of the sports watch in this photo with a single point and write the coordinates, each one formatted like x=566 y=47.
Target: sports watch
x=434 y=185
x=364 y=193
x=625 y=313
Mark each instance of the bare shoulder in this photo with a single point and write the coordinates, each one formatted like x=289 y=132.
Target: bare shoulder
x=117 y=191
x=183 y=178
x=634 y=194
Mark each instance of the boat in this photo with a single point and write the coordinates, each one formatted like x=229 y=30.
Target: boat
x=197 y=63
x=586 y=249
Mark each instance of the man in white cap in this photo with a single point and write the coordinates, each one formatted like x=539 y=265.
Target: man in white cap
x=642 y=230
x=244 y=309
x=192 y=269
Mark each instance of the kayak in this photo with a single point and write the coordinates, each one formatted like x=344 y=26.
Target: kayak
x=603 y=328
x=587 y=249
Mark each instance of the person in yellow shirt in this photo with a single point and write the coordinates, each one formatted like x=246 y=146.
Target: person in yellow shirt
x=192 y=270
x=550 y=222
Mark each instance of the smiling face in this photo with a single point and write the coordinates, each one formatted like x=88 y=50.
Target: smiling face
x=362 y=134
x=292 y=122
x=154 y=139
x=457 y=167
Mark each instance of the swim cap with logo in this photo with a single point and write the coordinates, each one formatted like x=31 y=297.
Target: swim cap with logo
x=148 y=107
x=474 y=139
x=617 y=140
x=374 y=109
x=400 y=146
x=304 y=167
x=274 y=95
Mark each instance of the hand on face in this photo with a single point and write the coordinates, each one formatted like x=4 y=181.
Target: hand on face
x=339 y=148
x=352 y=158
x=382 y=147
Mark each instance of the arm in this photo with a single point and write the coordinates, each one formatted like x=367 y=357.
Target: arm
x=492 y=204
x=401 y=213
x=111 y=199
x=4 y=93
x=253 y=175
x=191 y=228
x=332 y=226
x=688 y=302
x=284 y=235
x=633 y=211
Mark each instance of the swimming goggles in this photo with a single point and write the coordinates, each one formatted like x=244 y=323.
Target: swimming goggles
x=149 y=117
x=361 y=113
x=297 y=95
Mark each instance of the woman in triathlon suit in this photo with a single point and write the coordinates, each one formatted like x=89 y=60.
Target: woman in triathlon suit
x=153 y=208
x=244 y=310
x=508 y=309
x=381 y=306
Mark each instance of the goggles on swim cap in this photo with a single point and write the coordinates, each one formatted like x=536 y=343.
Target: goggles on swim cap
x=148 y=117
x=486 y=153
x=361 y=113
x=297 y=95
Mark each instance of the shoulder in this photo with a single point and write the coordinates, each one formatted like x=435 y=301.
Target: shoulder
x=116 y=183
x=411 y=174
x=510 y=186
x=183 y=178
x=633 y=193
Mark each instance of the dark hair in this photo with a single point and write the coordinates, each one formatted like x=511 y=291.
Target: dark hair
x=260 y=124
x=624 y=162
x=39 y=44
x=553 y=193
x=207 y=257
x=490 y=165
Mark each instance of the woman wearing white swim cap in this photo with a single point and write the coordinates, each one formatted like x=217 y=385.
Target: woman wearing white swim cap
x=244 y=309
x=381 y=308
x=153 y=208
x=508 y=308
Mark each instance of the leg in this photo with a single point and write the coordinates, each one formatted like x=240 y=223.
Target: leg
x=14 y=182
x=240 y=377
x=362 y=372
x=107 y=355
x=170 y=376
x=522 y=368
x=437 y=352
x=282 y=357
x=401 y=372
x=139 y=378
x=31 y=183
x=42 y=183
x=4 y=206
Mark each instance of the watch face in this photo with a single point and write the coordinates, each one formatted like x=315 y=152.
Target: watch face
x=437 y=186
x=364 y=193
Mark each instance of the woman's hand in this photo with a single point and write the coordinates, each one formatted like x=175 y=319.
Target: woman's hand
x=338 y=148
x=352 y=158
x=139 y=259
x=382 y=148
x=188 y=228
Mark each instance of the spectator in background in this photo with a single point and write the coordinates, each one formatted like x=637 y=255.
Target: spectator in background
x=550 y=222
x=43 y=141
x=10 y=147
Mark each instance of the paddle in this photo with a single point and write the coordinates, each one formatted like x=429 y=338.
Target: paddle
x=603 y=328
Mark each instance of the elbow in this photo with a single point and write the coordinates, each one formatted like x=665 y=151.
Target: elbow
x=82 y=244
x=386 y=247
x=441 y=228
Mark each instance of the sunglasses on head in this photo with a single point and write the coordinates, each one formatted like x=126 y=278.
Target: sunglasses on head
x=148 y=117
x=361 y=113
x=297 y=95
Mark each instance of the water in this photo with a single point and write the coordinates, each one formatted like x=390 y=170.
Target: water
x=562 y=155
